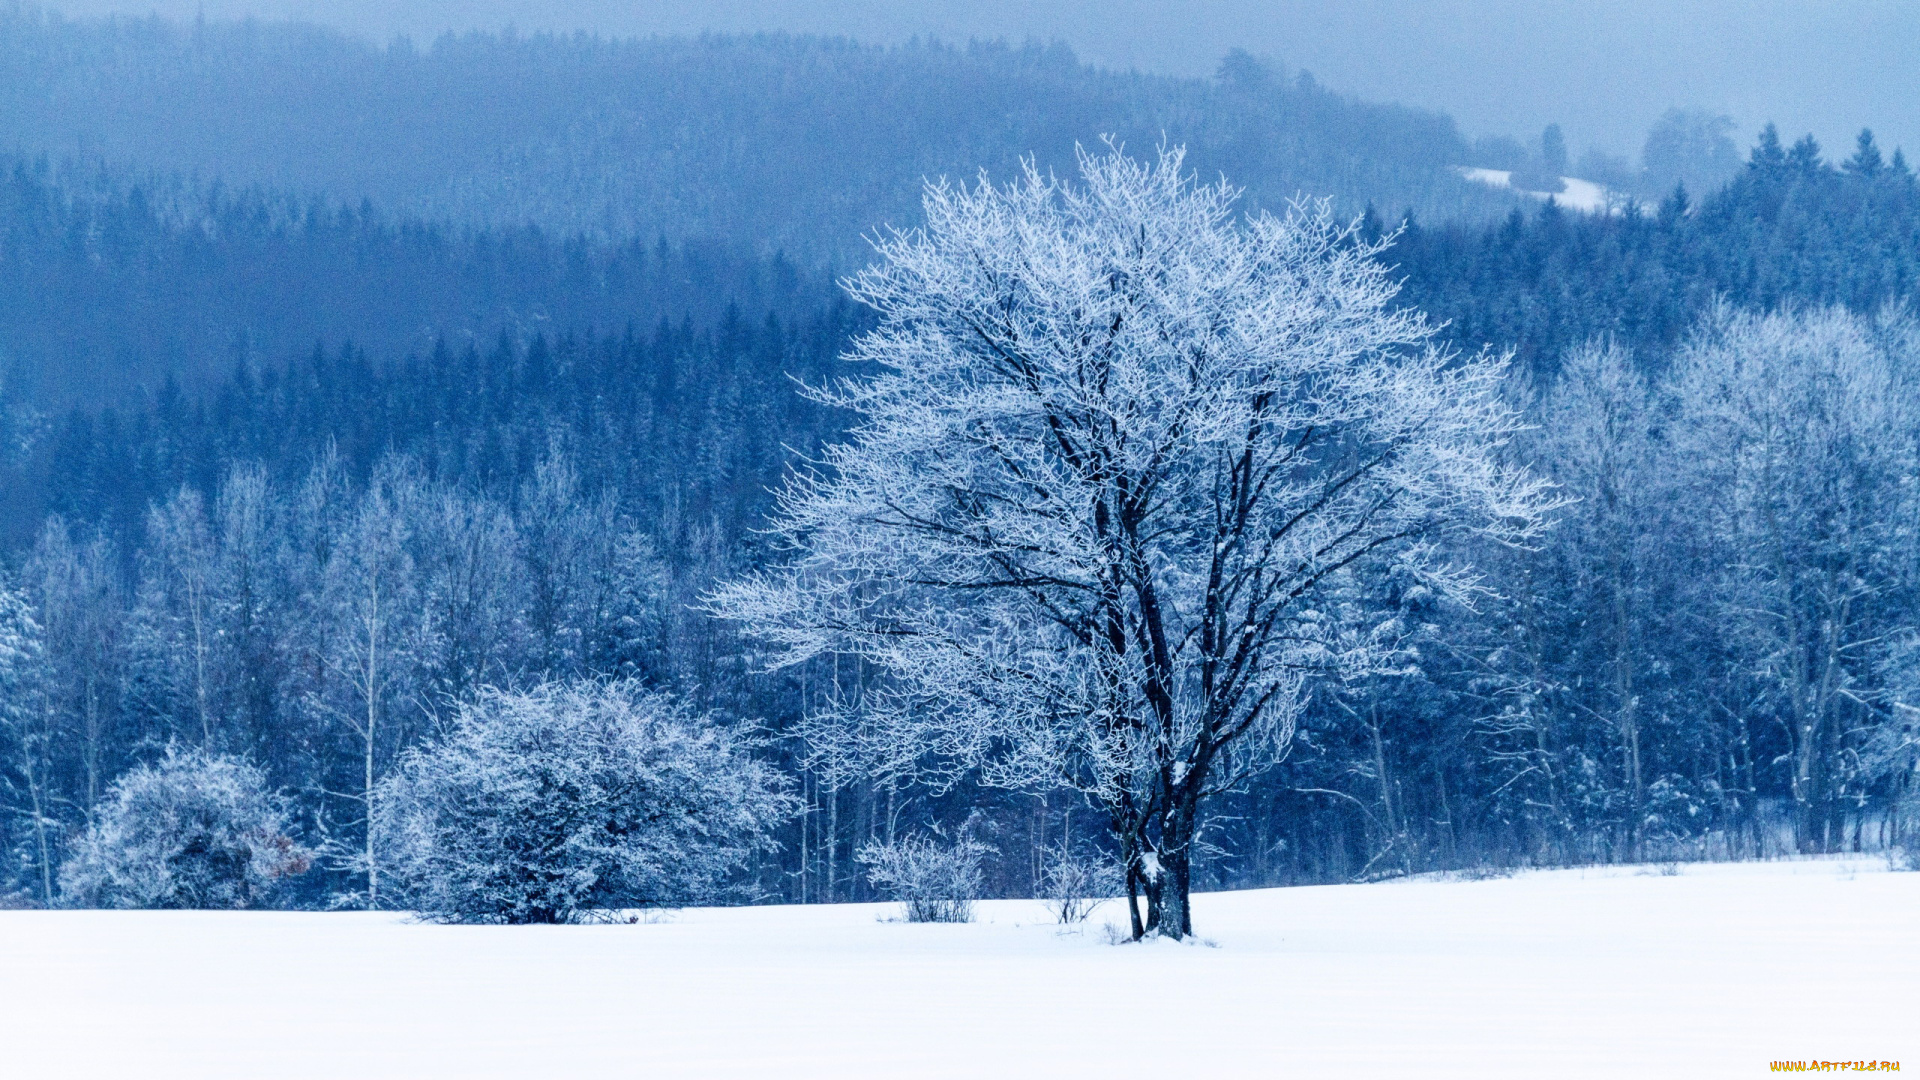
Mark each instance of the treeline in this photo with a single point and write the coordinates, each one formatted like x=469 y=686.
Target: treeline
x=681 y=420
x=109 y=284
x=220 y=290
x=319 y=627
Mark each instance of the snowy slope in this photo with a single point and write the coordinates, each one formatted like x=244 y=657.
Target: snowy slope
x=1711 y=973
x=1582 y=195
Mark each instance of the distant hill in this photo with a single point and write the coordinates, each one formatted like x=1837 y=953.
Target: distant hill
x=181 y=198
x=774 y=142
x=110 y=286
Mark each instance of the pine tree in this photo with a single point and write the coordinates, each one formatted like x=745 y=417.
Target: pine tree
x=1675 y=205
x=1866 y=157
x=1805 y=156
x=1767 y=154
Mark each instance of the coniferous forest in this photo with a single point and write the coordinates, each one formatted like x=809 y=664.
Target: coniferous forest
x=431 y=378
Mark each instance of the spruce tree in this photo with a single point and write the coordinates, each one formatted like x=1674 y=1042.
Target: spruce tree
x=1767 y=154
x=1866 y=159
x=1805 y=156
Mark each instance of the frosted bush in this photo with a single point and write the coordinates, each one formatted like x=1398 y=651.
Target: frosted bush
x=570 y=800
x=193 y=830
x=938 y=882
x=1072 y=884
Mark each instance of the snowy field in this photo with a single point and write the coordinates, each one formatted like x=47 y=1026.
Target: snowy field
x=1710 y=973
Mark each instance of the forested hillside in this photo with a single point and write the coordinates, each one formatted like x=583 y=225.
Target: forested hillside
x=769 y=142
x=641 y=353
x=504 y=339
x=109 y=288
x=180 y=198
x=1790 y=229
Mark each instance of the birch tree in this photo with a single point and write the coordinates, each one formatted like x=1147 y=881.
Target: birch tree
x=82 y=610
x=176 y=634
x=27 y=772
x=1113 y=446
x=371 y=599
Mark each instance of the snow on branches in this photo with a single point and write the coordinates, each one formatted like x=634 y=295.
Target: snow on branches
x=192 y=830
x=565 y=801
x=1114 y=447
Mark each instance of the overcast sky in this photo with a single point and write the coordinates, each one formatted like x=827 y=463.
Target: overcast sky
x=1603 y=69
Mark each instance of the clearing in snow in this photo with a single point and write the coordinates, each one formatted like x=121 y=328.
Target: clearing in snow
x=1582 y=195
x=1714 y=971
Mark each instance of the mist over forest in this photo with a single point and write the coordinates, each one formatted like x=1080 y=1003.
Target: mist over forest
x=1603 y=71
x=355 y=393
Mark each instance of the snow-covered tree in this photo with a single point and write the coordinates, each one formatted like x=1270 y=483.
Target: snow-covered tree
x=594 y=584
x=1114 y=446
x=1074 y=882
x=1798 y=441
x=369 y=607
x=77 y=594
x=1596 y=437
x=25 y=738
x=467 y=563
x=565 y=801
x=249 y=605
x=181 y=586
x=193 y=830
x=173 y=632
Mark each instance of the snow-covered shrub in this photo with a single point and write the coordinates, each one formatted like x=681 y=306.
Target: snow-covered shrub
x=192 y=830
x=563 y=802
x=1072 y=884
x=938 y=882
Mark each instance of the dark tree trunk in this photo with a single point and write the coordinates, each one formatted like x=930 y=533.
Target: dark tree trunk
x=1170 y=872
x=1133 y=901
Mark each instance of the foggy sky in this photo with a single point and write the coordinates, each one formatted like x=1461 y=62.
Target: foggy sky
x=1604 y=69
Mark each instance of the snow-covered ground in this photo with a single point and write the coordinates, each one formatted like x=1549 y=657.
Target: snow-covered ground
x=1711 y=973
x=1582 y=195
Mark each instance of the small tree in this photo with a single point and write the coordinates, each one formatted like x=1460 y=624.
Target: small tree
x=1545 y=170
x=1696 y=149
x=1115 y=449
x=25 y=740
x=193 y=830
x=1073 y=884
x=937 y=882
x=562 y=802
x=369 y=594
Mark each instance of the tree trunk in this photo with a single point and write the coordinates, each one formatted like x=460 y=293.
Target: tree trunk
x=1174 y=918
x=1387 y=810
x=34 y=777
x=1130 y=857
x=373 y=718
x=1170 y=868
